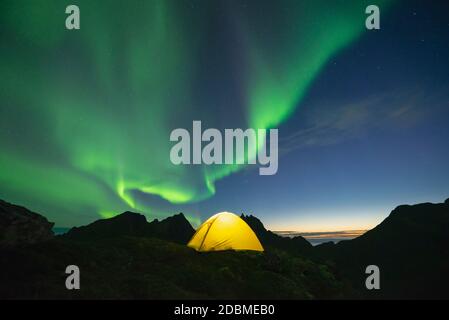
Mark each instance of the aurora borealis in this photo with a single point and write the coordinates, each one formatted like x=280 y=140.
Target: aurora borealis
x=86 y=114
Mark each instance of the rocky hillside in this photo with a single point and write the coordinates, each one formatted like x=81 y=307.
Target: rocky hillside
x=295 y=245
x=126 y=257
x=20 y=226
x=176 y=228
x=410 y=247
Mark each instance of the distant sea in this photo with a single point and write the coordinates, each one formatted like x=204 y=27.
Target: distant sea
x=316 y=238
x=59 y=231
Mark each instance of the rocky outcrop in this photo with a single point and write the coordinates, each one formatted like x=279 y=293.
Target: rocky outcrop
x=175 y=229
x=125 y=224
x=20 y=226
x=410 y=247
x=297 y=245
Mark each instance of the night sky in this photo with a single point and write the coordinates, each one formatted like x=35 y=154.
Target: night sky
x=86 y=115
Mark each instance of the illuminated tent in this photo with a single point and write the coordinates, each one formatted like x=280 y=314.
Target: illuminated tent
x=224 y=231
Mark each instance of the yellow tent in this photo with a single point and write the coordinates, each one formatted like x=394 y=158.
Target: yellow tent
x=224 y=231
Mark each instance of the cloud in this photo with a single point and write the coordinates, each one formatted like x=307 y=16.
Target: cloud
x=331 y=122
x=350 y=234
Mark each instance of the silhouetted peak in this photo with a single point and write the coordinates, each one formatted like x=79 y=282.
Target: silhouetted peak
x=180 y=220
x=400 y=208
x=125 y=224
x=178 y=217
x=254 y=223
x=19 y=226
x=174 y=219
x=175 y=228
x=268 y=238
x=416 y=213
x=411 y=243
x=130 y=216
x=447 y=201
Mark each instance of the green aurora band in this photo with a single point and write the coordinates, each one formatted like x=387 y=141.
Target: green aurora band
x=85 y=116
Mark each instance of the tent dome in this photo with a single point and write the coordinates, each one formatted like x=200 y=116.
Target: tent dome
x=224 y=231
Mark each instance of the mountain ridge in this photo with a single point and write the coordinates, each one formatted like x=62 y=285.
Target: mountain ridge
x=20 y=226
x=409 y=247
x=175 y=228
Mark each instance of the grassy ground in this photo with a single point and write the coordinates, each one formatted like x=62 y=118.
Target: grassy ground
x=145 y=268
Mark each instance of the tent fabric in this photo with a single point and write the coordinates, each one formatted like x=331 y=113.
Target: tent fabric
x=224 y=231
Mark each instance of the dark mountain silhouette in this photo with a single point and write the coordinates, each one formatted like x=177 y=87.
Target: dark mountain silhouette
x=125 y=224
x=297 y=245
x=20 y=226
x=122 y=258
x=176 y=228
x=410 y=247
